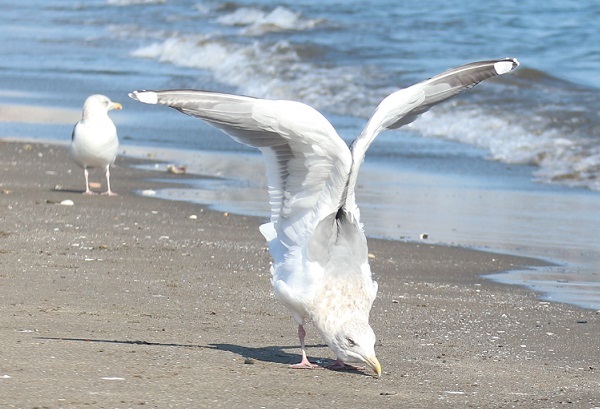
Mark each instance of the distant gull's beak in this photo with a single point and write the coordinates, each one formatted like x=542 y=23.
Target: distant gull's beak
x=374 y=364
x=115 y=105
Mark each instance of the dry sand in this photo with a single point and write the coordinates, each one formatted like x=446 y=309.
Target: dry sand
x=127 y=302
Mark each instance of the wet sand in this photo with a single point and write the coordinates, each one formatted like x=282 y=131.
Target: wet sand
x=124 y=302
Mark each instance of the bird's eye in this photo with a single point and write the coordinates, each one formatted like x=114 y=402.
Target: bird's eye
x=350 y=341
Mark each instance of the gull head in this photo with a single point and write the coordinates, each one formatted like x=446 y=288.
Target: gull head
x=98 y=104
x=354 y=342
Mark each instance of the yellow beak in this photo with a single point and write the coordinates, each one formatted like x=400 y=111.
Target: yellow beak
x=374 y=364
x=115 y=105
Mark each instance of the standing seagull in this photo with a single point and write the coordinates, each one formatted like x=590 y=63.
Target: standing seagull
x=320 y=268
x=94 y=142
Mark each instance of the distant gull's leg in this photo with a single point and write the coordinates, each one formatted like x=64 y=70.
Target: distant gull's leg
x=87 y=184
x=108 y=191
x=304 y=364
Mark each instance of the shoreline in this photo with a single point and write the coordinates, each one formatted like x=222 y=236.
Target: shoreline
x=160 y=178
x=214 y=181
x=508 y=214
x=201 y=185
x=124 y=301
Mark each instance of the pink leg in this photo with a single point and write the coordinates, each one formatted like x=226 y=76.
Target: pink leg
x=87 y=183
x=305 y=363
x=108 y=191
x=340 y=365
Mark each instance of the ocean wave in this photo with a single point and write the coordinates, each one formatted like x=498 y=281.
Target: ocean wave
x=528 y=118
x=194 y=51
x=516 y=138
x=272 y=70
x=256 y=22
x=133 y=2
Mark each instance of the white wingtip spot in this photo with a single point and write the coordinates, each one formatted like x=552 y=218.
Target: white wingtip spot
x=504 y=66
x=147 y=97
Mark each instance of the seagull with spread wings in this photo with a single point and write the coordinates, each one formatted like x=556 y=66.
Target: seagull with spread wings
x=320 y=268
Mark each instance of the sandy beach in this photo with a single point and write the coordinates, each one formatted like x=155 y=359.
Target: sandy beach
x=129 y=301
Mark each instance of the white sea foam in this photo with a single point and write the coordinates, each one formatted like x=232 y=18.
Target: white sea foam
x=194 y=51
x=271 y=70
x=560 y=158
x=133 y=2
x=258 y=22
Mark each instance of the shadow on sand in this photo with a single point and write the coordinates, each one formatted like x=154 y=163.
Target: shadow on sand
x=272 y=354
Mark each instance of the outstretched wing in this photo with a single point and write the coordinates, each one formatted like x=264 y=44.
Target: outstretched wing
x=404 y=106
x=307 y=162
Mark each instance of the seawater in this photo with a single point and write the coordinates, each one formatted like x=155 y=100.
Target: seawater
x=529 y=137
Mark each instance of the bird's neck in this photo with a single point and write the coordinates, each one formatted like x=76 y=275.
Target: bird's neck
x=335 y=309
x=92 y=115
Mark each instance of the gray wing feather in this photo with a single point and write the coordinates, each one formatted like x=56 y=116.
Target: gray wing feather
x=404 y=106
x=307 y=162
